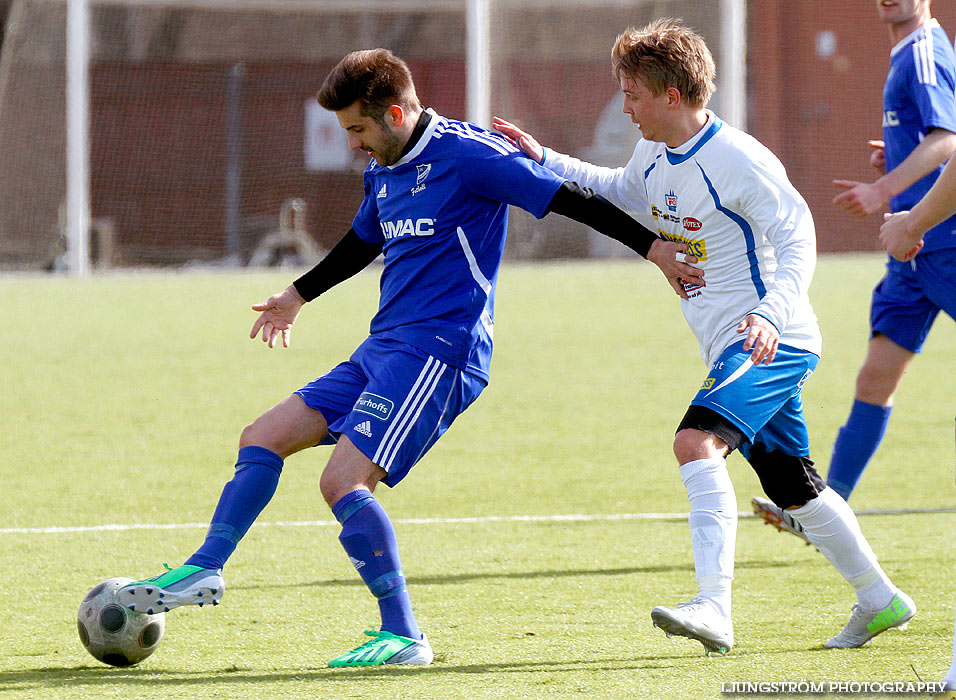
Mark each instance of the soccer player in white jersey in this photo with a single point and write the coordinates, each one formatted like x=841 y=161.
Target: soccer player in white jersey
x=724 y=194
x=436 y=202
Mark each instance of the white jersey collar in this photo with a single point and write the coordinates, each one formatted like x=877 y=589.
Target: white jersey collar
x=422 y=142
x=931 y=24
x=692 y=141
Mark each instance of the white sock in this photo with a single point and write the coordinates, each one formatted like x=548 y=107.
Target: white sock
x=713 y=528
x=832 y=526
x=950 y=679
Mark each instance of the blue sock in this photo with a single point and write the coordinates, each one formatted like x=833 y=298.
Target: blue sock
x=242 y=499
x=369 y=539
x=855 y=444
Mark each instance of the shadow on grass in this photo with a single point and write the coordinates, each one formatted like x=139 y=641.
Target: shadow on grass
x=512 y=575
x=104 y=678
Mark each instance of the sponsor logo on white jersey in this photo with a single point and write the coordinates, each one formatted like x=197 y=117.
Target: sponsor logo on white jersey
x=408 y=227
x=691 y=224
x=364 y=428
x=670 y=199
x=382 y=193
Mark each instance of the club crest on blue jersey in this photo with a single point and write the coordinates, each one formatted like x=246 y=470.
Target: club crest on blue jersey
x=374 y=405
x=670 y=199
x=423 y=171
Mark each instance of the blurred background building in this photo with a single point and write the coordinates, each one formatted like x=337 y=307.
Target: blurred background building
x=205 y=145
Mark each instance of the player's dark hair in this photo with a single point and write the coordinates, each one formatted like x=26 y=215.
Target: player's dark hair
x=375 y=78
x=666 y=54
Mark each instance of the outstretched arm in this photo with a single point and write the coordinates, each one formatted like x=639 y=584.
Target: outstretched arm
x=583 y=205
x=901 y=234
x=349 y=256
x=863 y=198
x=522 y=139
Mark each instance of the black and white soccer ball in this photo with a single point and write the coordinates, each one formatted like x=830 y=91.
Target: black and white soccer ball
x=111 y=632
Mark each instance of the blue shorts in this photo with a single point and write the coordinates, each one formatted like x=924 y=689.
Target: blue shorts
x=393 y=401
x=763 y=401
x=911 y=294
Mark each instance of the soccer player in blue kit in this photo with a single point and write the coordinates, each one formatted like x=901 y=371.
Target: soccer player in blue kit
x=901 y=235
x=726 y=195
x=437 y=192
x=919 y=135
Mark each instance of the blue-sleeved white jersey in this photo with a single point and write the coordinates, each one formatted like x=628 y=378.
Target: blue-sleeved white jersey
x=920 y=95
x=441 y=213
x=728 y=197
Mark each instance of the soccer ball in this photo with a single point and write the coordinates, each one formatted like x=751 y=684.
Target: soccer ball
x=111 y=632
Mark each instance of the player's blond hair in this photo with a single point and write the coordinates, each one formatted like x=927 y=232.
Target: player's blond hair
x=666 y=54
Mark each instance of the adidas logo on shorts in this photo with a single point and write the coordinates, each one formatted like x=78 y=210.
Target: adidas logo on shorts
x=364 y=428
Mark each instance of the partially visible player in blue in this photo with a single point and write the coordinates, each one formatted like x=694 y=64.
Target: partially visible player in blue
x=919 y=135
x=901 y=235
x=436 y=205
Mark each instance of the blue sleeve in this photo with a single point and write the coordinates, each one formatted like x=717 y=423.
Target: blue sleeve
x=513 y=179
x=366 y=222
x=936 y=100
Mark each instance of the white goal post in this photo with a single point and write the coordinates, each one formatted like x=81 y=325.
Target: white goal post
x=78 y=138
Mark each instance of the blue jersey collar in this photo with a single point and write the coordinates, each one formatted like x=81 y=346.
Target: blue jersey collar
x=695 y=143
x=926 y=27
x=422 y=142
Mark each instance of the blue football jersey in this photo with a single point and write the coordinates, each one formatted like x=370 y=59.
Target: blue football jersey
x=919 y=95
x=441 y=213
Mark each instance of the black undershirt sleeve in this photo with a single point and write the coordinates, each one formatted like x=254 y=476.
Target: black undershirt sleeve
x=348 y=257
x=582 y=204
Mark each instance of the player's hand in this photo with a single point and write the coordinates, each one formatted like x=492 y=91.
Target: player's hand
x=278 y=314
x=878 y=156
x=677 y=265
x=860 y=198
x=762 y=337
x=521 y=139
x=897 y=239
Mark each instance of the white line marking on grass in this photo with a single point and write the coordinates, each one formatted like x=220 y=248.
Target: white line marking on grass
x=429 y=521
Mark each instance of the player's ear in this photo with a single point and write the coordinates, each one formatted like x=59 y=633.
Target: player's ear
x=674 y=97
x=396 y=113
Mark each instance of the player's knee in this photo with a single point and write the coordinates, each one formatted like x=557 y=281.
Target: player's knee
x=875 y=384
x=788 y=481
x=331 y=487
x=687 y=445
x=347 y=471
x=254 y=434
x=691 y=444
x=705 y=434
x=879 y=377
